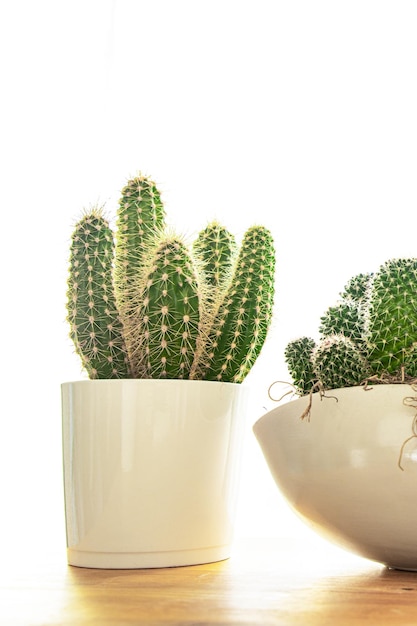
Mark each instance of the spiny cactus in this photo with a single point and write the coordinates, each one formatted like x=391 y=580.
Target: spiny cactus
x=357 y=288
x=346 y=318
x=163 y=333
x=216 y=248
x=392 y=324
x=298 y=355
x=95 y=326
x=242 y=320
x=371 y=334
x=166 y=310
x=139 y=216
x=338 y=362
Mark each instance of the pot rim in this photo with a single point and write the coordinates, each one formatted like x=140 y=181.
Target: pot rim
x=131 y=381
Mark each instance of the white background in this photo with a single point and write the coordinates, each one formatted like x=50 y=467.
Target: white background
x=301 y=115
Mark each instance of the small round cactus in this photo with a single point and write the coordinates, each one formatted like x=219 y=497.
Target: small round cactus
x=298 y=355
x=338 y=362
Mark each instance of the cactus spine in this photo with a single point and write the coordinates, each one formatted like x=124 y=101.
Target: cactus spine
x=173 y=312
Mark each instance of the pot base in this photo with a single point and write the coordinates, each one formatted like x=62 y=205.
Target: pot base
x=147 y=560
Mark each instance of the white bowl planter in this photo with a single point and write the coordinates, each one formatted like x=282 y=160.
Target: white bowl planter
x=151 y=471
x=351 y=471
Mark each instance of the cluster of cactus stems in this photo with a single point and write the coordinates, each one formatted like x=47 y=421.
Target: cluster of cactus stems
x=141 y=303
x=370 y=334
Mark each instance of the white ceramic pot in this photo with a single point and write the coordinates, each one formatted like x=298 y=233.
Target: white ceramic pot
x=151 y=471
x=351 y=471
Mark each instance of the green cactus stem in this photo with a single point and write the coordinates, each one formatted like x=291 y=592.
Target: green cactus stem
x=298 y=356
x=163 y=335
x=216 y=249
x=140 y=217
x=338 y=362
x=243 y=318
x=95 y=326
x=392 y=324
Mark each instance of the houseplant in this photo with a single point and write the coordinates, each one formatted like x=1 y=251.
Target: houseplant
x=166 y=332
x=348 y=467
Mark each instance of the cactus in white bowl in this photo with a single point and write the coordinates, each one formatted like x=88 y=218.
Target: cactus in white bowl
x=370 y=334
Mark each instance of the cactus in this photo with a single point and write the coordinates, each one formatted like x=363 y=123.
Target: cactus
x=164 y=309
x=242 y=320
x=370 y=334
x=164 y=332
x=338 y=362
x=140 y=214
x=348 y=316
x=344 y=318
x=216 y=248
x=298 y=355
x=392 y=324
x=95 y=326
x=357 y=288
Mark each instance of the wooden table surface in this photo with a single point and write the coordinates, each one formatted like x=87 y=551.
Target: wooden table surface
x=267 y=581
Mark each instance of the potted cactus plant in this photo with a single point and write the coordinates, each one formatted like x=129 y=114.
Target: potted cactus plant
x=369 y=335
x=167 y=332
x=349 y=466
